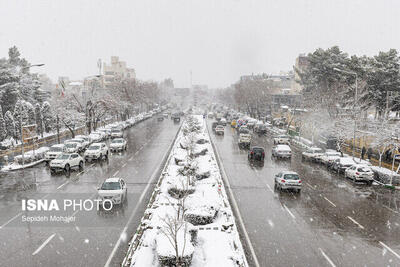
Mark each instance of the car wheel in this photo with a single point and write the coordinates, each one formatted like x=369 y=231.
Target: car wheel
x=67 y=168
x=52 y=172
x=101 y=157
x=81 y=165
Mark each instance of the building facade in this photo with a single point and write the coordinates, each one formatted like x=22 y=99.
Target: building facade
x=116 y=70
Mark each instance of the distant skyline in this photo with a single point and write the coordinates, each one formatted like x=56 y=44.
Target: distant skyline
x=217 y=40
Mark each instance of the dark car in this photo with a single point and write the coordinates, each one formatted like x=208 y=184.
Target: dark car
x=260 y=129
x=256 y=153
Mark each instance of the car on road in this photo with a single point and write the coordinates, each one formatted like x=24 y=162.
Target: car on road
x=312 y=154
x=107 y=132
x=288 y=180
x=113 y=189
x=329 y=156
x=282 y=139
x=103 y=135
x=360 y=173
x=85 y=138
x=244 y=140
x=117 y=133
x=214 y=125
x=118 y=144
x=165 y=115
x=81 y=142
x=256 y=153
x=243 y=130
x=72 y=147
x=219 y=130
x=282 y=151
x=96 y=151
x=65 y=162
x=54 y=151
x=95 y=137
x=341 y=164
x=210 y=115
x=223 y=121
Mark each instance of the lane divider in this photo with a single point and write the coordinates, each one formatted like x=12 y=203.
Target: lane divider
x=327 y=258
x=44 y=244
x=355 y=222
x=330 y=202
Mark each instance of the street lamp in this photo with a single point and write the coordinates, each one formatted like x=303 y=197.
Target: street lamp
x=354 y=105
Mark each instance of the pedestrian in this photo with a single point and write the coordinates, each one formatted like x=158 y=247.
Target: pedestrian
x=369 y=153
x=363 y=150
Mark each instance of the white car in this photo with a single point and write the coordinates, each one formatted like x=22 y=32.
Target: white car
x=312 y=154
x=102 y=134
x=118 y=144
x=361 y=173
x=329 y=157
x=223 y=121
x=113 y=189
x=244 y=140
x=81 y=143
x=86 y=139
x=288 y=180
x=117 y=133
x=95 y=137
x=71 y=147
x=96 y=151
x=219 y=130
x=107 y=132
x=65 y=162
x=282 y=151
x=54 y=151
x=282 y=139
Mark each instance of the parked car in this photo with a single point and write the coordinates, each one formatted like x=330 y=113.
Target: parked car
x=95 y=137
x=96 y=151
x=107 y=132
x=282 y=151
x=288 y=180
x=85 y=138
x=65 y=162
x=341 y=164
x=53 y=152
x=282 y=139
x=256 y=153
x=118 y=144
x=219 y=130
x=113 y=189
x=117 y=133
x=81 y=143
x=71 y=147
x=329 y=156
x=360 y=173
x=312 y=154
x=103 y=136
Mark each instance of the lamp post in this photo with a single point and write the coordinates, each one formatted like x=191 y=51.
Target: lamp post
x=354 y=104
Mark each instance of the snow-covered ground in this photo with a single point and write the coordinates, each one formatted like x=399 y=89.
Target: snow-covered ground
x=189 y=211
x=31 y=158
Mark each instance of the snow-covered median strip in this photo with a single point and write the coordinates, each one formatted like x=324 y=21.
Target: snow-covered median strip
x=189 y=220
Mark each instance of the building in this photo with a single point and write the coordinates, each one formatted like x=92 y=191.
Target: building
x=300 y=65
x=286 y=97
x=116 y=70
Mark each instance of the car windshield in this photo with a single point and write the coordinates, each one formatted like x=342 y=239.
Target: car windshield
x=292 y=177
x=283 y=136
x=117 y=141
x=258 y=149
x=363 y=169
x=115 y=131
x=110 y=186
x=71 y=145
x=55 y=149
x=93 y=147
x=63 y=156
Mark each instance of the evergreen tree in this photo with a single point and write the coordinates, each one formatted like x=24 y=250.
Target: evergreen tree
x=3 y=130
x=47 y=117
x=30 y=112
x=20 y=115
x=10 y=125
x=39 y=120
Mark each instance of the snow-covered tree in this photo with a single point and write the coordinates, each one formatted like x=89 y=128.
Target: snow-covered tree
x=30 y=111
x=3 y=130
x=39 y=119
x=20 y=116
x=48 y=118
x=10 y=125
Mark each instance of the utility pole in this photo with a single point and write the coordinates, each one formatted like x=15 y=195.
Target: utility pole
x=22 y=139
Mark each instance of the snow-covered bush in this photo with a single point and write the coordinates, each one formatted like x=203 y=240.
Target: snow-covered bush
x=178 y=192
x=201 y=215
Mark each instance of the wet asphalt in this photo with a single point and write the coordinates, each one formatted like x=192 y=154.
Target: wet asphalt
x=332 y=222
x=91 y=238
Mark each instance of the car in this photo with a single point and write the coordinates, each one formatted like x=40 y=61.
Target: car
x=223 y=121
x=117 y=133
x=328 y=157
x=282 y=151
x=243 y=130
x=81 y=143
x=160 y=118
x=256 y=153
x=288 y=180
x=95 y=137
x=341 y=164
x=260 y=128
x=118 y=144
x=312 y=154
x=251 y=123
x=53 y=152
x=71 y=147
x=113 y=189
x=85 y=138
x=282 y=139
x=65 y=162
x=177 y=119
x=103 y=136
x=219 y=130
x=210 y=115
x=96 y=151
x=165 y=115
x=360 y=173
x=244 y=140
x=107 y=132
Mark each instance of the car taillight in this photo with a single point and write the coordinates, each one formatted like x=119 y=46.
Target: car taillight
x=283 y=181
x=357 y=173
x=300 y=182
x=252 y=152
x=263 y=154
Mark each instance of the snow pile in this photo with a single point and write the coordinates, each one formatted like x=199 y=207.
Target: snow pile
x=31 y=158
x=189 y=221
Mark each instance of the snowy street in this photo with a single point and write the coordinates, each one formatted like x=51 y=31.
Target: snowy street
x=331 y=221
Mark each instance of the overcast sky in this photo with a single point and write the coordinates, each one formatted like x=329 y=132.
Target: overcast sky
x=218 y=40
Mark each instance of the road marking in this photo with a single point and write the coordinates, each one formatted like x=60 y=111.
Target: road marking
x=291 y=214
x=327 y=258
x=62 y=185
x=10 y=220
x=310 y=186
x=92 y=165
x=333 y=204
x=355 y=222
x=44 y=244
x=116 y=173
x=131 y=158
x=270 y=189
x=137 y=152
x=390 y=209
x=388 y=248
x=124 y=165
